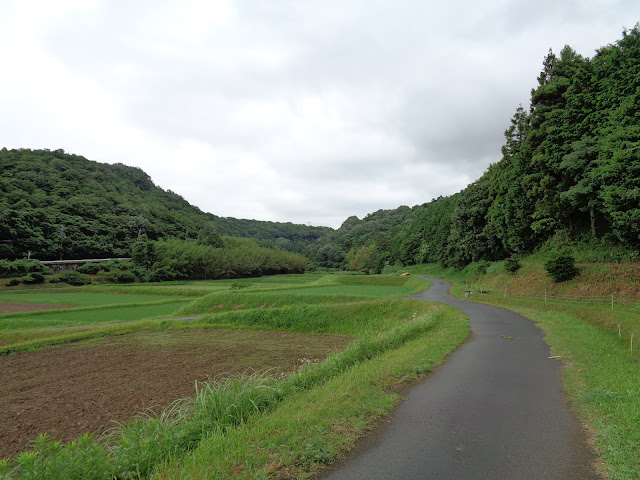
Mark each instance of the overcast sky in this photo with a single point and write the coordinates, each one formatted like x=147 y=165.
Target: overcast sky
x=307 y=111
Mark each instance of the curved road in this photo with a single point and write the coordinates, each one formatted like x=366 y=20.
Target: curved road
x=495 y=410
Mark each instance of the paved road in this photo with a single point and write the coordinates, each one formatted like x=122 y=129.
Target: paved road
x=495 y=410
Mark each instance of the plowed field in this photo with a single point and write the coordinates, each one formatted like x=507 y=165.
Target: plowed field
x=69 y=390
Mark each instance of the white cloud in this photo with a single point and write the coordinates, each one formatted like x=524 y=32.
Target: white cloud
x=285 y=110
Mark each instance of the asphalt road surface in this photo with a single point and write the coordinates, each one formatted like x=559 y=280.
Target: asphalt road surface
x=495 y=410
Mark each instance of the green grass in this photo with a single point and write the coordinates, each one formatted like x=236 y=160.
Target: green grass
x=600 y=373
x=328 y=289
x=237 y=416
x=234 y=300
x=358 y=291
x=87 y=316
x=398 y=340
x=358 y=318
x=81 y=298
x=267 y=293
x=310 y=430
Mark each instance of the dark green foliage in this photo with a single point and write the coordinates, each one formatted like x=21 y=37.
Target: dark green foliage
x=33 y=278
x=118 y=276
x=74 y=278
x=57 y=205
x=240 y=258
x=54 y=280
x=386 y=237
x=18 y=268
x=481 y=267
x=512 y=265
x=13 y=282
x=90 y=268
x=561 y=266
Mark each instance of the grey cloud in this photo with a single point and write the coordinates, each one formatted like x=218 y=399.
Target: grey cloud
x=309 y=111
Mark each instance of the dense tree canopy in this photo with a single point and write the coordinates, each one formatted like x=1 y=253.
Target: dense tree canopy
x=54 y=204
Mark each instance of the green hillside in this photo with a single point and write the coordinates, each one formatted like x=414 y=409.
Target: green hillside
x=56 y=204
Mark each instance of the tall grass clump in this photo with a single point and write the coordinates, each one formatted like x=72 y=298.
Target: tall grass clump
x=83 y=458
x=217 y=406
x=367 y=347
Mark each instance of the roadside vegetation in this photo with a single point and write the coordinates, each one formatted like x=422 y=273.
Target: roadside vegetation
x=589 y=322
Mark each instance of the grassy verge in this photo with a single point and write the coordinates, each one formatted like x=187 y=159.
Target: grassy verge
x=600 y=372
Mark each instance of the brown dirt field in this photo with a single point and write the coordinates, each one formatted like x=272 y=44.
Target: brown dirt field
x=13 y=307
x=69 y=390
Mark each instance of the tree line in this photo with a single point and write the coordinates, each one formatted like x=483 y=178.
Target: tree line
x=569 y=172
x=58 y=205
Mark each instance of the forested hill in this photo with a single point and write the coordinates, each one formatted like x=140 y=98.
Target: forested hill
x=569 y=172
x=54 y=203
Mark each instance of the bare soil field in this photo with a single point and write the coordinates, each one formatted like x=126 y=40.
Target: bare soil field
x=69 y=390
x=13 y=307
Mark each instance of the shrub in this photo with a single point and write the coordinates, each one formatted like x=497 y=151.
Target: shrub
x=15 y=268
x=90 y=268
x=561 y=266
x=512 y=265
x=118 y=276
x=481 y=267
x=74 y=278
x=13 y=282
x=54 y=280
x=33 y=278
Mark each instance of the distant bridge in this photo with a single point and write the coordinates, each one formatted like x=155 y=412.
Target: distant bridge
x=60 y=265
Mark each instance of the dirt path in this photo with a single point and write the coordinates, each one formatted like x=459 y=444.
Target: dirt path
x=495 y=410
x=69 y=390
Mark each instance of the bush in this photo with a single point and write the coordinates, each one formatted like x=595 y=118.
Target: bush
x=118 y=276
x=480 y=267
x=90 y=268
x=16 y=268
x=561 y=267
x=74 y=278
x=512 y=265
x=13 y=282
x=33 y=278
x=54 y=280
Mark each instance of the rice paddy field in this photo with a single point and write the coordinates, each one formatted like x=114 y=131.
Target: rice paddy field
x=94 y=374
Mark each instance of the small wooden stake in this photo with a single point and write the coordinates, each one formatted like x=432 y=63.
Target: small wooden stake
x=619 y=333
x=611 y=302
